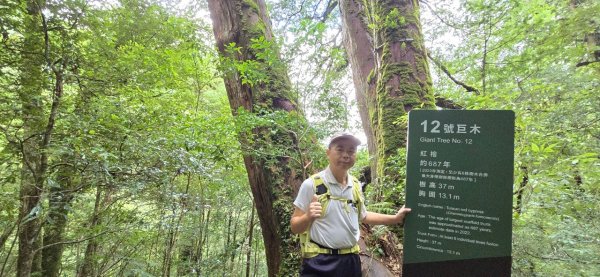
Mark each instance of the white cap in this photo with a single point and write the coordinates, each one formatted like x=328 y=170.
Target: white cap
x=344 y=136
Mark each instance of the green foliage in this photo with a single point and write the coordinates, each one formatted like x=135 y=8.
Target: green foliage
x=524 y=56
x=317 y=62
x=147 y=135
x=393 y=188
x=394 y=20
x=250 y=71
x=280 y=131
x=382 y=207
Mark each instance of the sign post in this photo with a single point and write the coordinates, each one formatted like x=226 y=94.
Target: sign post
x=459 y=186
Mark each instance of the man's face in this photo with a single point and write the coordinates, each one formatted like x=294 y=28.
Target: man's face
x=342 y=154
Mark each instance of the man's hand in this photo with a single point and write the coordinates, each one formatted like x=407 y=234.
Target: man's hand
x=301 y=220
x=401 y=214
x=314 y=209
x=386 y=219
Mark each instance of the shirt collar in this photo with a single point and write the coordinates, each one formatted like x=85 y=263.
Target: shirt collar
x=330 y=179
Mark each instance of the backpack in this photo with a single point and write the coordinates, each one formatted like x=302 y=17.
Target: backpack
x=309 y=248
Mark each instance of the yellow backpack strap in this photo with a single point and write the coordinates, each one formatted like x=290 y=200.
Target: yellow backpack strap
x=358 y=201
x=308 y=248
x=319 y=186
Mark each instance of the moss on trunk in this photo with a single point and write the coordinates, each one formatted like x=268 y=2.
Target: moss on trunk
x=403 y=81
x=262 y=99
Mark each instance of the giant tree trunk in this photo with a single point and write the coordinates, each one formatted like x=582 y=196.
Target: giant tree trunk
x=384 y=43
x=259 y=91
x=390 y=70
x=362 y=61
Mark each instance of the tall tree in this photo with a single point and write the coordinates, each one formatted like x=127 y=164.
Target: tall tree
x=61 y=31
x=391 y=75
x=362 y=61
x=37 y=131
x=141 y=107
x=259 y=90
x=384 y=43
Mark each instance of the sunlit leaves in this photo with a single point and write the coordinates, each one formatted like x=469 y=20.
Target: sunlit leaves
x=144 y=130
x=317 y=62
x=526 y=53
x=250 y=70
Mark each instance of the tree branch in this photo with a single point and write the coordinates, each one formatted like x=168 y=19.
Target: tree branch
x=291 y=16
x=6 y=234
x=46 y=38
x=72 y=241
x=447 y=103
x=556 y=258
x=330 y=7
x=580 y=64
x=445 y=70
x=434 y=12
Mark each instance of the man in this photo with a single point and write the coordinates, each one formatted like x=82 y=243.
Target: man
x=331 y=232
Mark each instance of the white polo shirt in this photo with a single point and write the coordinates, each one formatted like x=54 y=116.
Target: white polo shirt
x=338 y=227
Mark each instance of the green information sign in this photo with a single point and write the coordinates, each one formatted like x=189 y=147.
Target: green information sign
x=459 y=186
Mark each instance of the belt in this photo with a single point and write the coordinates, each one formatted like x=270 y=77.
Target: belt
x=331 y=251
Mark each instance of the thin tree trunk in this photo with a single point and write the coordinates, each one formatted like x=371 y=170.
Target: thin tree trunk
x=255 y=258
x=174 y=230
x=203 y=240
x=6 y=234
x=236 y=246
x=486 y=38
x=226 y=244
x=202 y=227
x=250 y=233
x=169 y=245
x=60 y=197
x=521 y=190
x=88 y=267
x=8 y=253
x=186 y=251
x=36 y=137
x=156 y=250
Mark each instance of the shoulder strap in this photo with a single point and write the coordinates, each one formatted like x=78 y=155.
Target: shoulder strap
x=357 y=195
x=318 y=185
x=307 y=248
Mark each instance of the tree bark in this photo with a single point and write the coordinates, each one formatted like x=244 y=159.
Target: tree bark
x=362 y=61
x=521 y=191
x=89 y=265
x=60 y=197
x=386 y=36
x=273 y=175
x=250 y=233
x=385 y=46
x=32 y=148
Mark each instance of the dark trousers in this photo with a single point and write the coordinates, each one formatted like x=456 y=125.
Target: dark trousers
x=323 y=265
